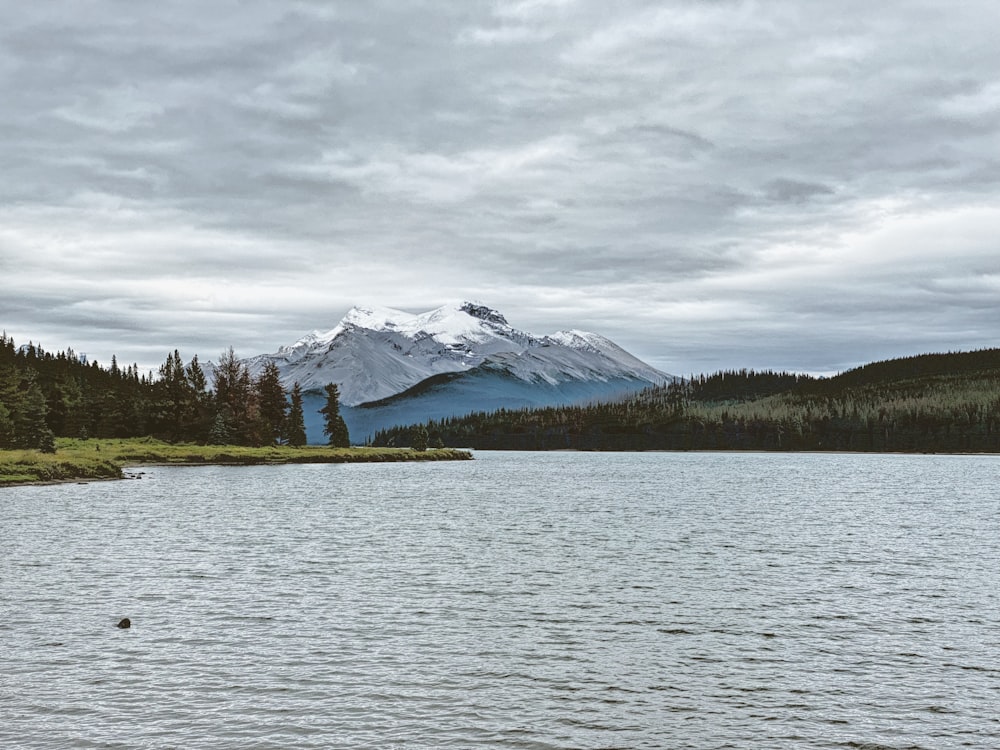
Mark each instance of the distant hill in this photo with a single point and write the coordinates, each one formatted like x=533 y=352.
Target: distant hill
x=932 y=402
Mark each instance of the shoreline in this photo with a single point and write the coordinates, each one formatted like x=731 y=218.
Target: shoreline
x=80 y=461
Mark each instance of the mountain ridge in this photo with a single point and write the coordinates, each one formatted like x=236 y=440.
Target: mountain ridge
x=375 y=354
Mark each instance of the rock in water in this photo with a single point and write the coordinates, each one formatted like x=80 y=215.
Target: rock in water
x=125 y=623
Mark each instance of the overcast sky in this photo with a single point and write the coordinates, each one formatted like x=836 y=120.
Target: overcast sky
x=710 y=183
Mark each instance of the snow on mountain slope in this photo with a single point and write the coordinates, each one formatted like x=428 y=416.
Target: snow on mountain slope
x=377 y=352
x=593 y=342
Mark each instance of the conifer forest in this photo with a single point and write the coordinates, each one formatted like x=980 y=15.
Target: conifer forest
x=45 y=395
x=928 y=403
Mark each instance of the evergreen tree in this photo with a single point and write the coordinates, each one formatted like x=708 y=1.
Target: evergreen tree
x=111 y=415
x=334 y=426
x=220 y=433
x=248 y=416
x=10 y=392
x=29 y=416
x=419 y=441
x=225 y=379
x=47 y=441
x=68 y=405
x=201 y=416
x=7 y=439
x=272 y=403
x=175 y=397
x=295 y=424
x=234 y=391
x=196 y=376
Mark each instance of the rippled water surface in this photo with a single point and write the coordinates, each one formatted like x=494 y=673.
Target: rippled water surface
x=569 y=600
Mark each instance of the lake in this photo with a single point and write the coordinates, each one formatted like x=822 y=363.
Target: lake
x=521 y=600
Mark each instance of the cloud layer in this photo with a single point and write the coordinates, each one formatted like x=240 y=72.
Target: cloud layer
x=711 y=184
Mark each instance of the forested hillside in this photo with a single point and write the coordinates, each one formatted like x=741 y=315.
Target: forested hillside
x=45 y=395
x=935 y=402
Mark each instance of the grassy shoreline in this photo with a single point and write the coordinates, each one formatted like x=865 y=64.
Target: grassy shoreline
x=83 y=460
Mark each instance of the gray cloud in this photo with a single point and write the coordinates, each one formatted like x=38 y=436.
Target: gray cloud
x=711 y=184
x=793 y=191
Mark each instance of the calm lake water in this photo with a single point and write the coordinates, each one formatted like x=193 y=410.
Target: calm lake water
x=521 y=600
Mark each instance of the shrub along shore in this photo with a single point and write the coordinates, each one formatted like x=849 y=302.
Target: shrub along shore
x=79 y=460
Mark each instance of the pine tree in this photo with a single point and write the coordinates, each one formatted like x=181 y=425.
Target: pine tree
x=29 y=416
x=272 y=403
x=226 y=376
x=201 y=416
x=248 y=415
x=419 y=441
x=295 y=425
x=6 y=428
x=69 y=407
x=234 y=390
x=176 y=398
x=196 y=376
x=334 y=426
x=220 y=433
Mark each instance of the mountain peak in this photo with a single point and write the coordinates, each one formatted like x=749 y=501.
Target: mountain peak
x=376 y=318
x=483 y=312
x=377 y=352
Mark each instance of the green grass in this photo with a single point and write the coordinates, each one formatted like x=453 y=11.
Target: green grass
x=104 y=459
x=22 y=467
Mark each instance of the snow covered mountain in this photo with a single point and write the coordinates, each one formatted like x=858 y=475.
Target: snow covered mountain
x=395 y=367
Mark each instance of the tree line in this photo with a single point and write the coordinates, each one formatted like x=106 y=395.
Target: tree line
x=45 y=395
x=931 y=403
